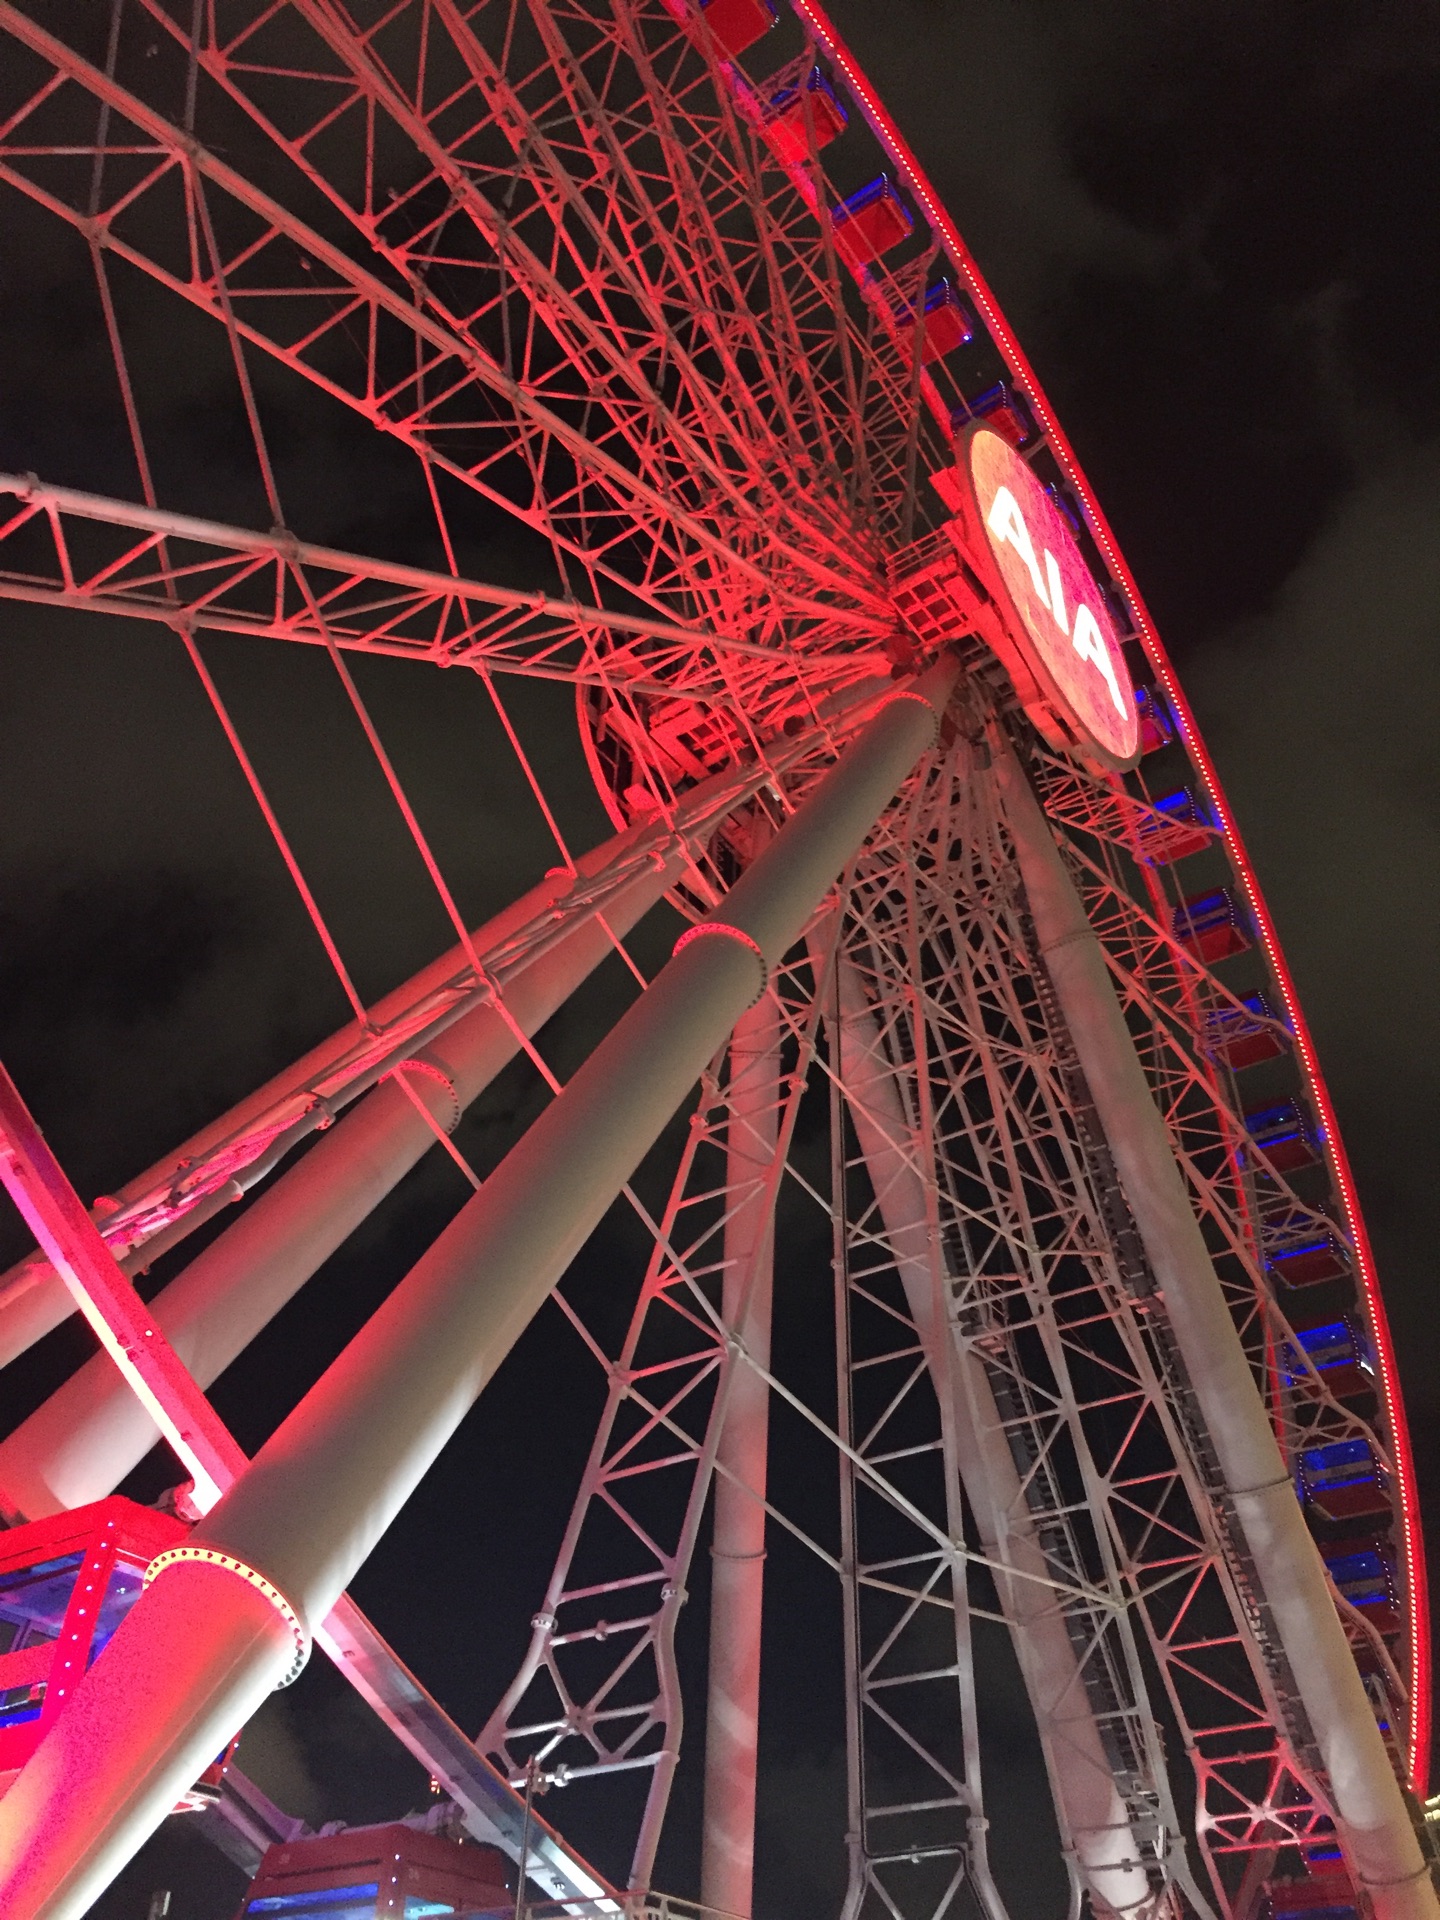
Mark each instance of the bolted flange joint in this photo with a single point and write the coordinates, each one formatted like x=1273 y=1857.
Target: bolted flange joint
x=706 y=929
x=212 y=1557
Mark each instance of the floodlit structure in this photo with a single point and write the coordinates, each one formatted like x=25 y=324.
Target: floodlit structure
x=872 y=700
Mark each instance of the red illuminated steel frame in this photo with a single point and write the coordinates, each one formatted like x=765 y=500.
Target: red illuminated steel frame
x=200 y=1440
x=614 y=297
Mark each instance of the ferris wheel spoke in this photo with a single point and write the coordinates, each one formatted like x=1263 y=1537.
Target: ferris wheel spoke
x=784 y=220
x=432 y=250
x=174 y=567
x=348 y=330
x=674 y=261
x=788 y=325
x=608 y=888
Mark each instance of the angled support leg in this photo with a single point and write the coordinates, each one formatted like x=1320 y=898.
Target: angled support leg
x=1375 y=1826
x=732 y=1719
x=217 y=1628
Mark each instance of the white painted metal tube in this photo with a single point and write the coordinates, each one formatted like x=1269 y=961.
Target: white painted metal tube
x=737 y=1580
x=1379 y=1840
x=33 y=1299
x=1093 y=1818
x=92 y=1431
x=329 y=1481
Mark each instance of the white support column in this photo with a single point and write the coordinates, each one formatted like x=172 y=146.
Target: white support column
x=221 y=1624
x=732 y=1723
x=1379 y=1841
x=79 y=1445
x=33 y=1299
x=1092 y=1816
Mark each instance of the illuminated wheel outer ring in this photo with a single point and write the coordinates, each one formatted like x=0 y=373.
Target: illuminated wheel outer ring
x=1372 y=1302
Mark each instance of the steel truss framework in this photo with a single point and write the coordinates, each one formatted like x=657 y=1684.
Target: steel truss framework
x=1044 y=1285
x=563 y=256
x=1071 y=1343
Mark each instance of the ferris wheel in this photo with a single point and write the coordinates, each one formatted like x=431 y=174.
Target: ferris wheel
x=978 y=989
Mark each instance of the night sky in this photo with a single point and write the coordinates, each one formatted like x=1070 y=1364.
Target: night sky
x=1217 y=232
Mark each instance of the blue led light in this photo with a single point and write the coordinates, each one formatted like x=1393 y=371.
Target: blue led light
x=814 y=82
x=999 y=399
x=1340 y=1453
x=1328 y=1346
x=1179 y=805
x=1364 y=1578
x=1065 y=504
x=941 y=297
x=1206 y=910
x=67 y=1563
x=877 y=189
x=324 y=1901
x=1344 y=1463
x=1284 y=1121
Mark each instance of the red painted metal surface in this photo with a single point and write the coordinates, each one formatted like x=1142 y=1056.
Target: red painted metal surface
x=65 y=1585
x=390 y=1870
x=105 y=1295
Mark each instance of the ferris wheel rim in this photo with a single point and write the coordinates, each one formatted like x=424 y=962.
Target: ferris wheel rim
x=890 y=137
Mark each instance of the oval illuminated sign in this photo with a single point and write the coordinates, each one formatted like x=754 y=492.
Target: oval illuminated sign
x=1057 y=617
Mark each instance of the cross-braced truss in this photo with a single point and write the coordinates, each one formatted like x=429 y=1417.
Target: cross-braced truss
x=596 y=1695
x=1054 y=1338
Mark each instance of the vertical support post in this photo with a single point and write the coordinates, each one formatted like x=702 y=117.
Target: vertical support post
x=1375 y=1828
x=732 y=1724
x=1092 y=1816
x=227 y=1614
x=855 y=1887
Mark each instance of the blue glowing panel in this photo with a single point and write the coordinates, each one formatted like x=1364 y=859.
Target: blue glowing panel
x=1341 y=1464
x=334 y=1903
x=35 y=1598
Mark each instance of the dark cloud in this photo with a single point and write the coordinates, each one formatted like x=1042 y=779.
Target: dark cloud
x=112 y=947
x=1323 y=713
x=1213 y=230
